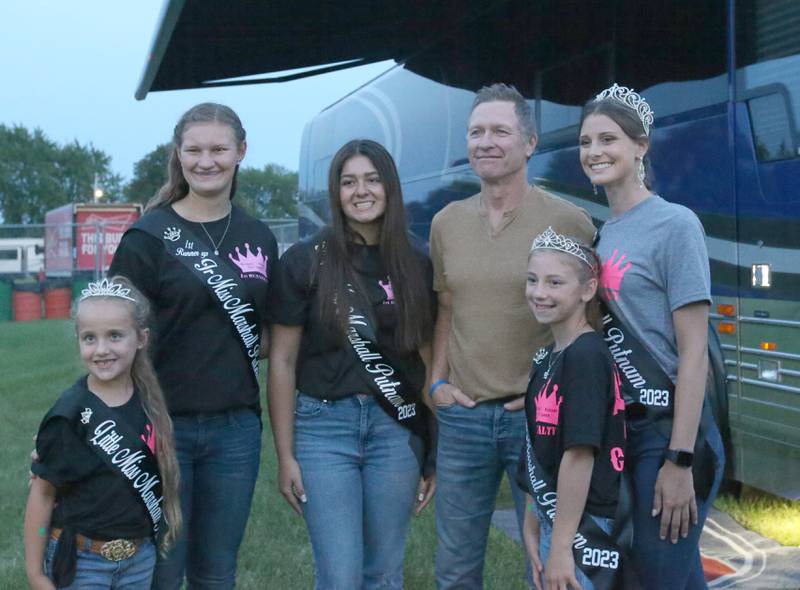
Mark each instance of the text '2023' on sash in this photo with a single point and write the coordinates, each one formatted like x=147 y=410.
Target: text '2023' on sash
x=596 y=552
x=383 y=380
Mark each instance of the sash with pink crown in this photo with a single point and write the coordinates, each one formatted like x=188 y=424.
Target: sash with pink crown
x=601 y=556
x=226 y=286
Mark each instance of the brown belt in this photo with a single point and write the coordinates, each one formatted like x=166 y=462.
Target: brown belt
x=115 y=550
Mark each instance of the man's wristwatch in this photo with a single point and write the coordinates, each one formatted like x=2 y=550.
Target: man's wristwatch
x=680 y=458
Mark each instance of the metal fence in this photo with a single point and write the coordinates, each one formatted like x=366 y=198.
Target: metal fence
x=43 y=266
x=285 y=230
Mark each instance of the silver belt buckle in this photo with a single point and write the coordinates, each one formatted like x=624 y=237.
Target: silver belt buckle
x=118 y=549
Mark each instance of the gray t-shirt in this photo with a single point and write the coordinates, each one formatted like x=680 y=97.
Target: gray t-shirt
x=654 y=262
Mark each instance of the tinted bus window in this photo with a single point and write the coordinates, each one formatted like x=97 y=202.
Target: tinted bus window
x=768 y=74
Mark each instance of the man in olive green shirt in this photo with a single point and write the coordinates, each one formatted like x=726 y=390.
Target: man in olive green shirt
x=485 y=334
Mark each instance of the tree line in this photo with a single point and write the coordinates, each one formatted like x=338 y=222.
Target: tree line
x=37 y=174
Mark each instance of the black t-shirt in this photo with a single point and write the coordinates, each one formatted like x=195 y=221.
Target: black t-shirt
x=196 y=351
x=93 y=499
x=325 y=368
x=579 y=404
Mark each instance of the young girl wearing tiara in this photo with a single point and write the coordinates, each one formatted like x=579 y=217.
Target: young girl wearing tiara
x=106 y=462
x=574 y=453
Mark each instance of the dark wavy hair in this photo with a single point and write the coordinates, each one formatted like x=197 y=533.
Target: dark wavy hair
x=176 y=187
x=404 y=265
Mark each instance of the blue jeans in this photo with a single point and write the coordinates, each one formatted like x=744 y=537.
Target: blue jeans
x=360 y=473
x=546 y=535
x=662 y=564
x=219 y=456
x=475 y=446
x=95 y=572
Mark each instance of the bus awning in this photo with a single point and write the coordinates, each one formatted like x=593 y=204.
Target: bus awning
x=207 y=43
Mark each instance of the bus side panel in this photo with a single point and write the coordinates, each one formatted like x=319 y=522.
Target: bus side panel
x=766 y=427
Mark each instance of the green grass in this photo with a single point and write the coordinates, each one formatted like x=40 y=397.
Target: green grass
x=39 y=359
x=770 y=516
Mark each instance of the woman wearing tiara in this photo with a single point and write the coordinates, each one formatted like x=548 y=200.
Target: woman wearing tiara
x=655 y=282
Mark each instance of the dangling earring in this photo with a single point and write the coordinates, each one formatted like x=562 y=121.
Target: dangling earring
x=641 y=173
x=594 y=189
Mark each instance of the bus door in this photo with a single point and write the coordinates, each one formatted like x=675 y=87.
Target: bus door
x=767 y=148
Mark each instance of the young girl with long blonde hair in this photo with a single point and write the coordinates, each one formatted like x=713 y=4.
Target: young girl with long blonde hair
x=107 y=477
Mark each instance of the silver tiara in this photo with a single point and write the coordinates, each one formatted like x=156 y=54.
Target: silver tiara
x=106 y=288
x=632 y=100
x=550 y=240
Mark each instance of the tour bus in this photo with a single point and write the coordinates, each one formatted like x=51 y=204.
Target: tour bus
x=723 y=79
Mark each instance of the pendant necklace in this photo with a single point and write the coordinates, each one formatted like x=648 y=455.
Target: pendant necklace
x=552 y=357
x=217 y=245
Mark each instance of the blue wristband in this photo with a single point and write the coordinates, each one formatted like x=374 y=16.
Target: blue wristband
x=436 y=384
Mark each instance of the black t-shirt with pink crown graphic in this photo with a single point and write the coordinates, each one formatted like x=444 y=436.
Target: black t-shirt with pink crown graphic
x=195 y=347
x=578 y=403
x=326 y=369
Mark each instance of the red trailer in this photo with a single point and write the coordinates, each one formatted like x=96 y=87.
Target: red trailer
x=84 y=237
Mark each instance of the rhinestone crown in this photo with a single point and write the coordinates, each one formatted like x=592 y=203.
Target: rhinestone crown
x=632 y=100
x=106 y=288
x=550 y=240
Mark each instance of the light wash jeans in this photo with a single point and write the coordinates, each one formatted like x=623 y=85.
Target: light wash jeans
x=360 y=473
x=95 y=572
x=476 y=445
x=661 y=564
x=546 y=536
x=219 y=456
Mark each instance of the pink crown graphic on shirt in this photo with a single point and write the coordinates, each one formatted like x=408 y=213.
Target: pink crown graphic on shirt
x=612 y=274
x=387 y=288
x=548 y=406
x=150 y=438
x=250 y=264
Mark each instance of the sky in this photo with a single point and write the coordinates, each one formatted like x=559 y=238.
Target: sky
x=71 y=68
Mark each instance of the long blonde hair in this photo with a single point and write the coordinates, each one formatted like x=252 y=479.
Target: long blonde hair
x=151 y=397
